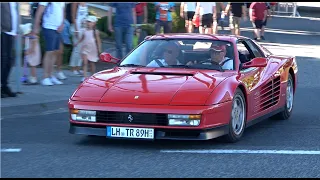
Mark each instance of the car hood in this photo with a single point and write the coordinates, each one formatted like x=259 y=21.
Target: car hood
x=150 y=86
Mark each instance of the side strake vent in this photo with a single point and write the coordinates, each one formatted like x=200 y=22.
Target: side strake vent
x=269 y=95
x=164 y=73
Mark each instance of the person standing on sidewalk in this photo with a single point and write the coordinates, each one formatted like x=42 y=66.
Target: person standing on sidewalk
x=220 y=14
x=237 y=11
x=208 y=17
x=257 y=14
x=32 y=53
x=65 y=41
x=9 y=25
x=187 y=11
x=53 y=22
x=79 y=14
x=142 y=12
x=124 y=25
x=163 y=16
x=142 y=18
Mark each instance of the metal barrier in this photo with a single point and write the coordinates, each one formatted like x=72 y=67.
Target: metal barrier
x=286 y=9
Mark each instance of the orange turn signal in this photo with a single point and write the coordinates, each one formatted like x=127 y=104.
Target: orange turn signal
x=74 y=111
x=194 y=116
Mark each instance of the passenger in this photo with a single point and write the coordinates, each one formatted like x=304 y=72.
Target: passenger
x=170 y=54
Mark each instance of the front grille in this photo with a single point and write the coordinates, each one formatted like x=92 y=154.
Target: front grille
x=131 y=118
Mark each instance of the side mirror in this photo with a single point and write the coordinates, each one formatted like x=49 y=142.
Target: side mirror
x=106 y=57
x=256 y=62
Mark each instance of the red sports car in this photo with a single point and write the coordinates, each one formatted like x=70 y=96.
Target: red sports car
x=185 y=87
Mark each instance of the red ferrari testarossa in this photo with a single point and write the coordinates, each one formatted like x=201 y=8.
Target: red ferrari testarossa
x=185 y=87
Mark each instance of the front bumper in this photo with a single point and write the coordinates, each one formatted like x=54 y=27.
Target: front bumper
x=212 y=116
x=173 y=134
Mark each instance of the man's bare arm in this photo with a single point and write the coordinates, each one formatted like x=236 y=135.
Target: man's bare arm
x=181 y=9
x=227 y=8
x=39 y=13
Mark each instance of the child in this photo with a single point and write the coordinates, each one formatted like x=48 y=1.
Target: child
x=32 y=51
x=91 y=46
x=79 y=18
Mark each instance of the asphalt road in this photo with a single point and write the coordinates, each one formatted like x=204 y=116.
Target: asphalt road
x=47 y=150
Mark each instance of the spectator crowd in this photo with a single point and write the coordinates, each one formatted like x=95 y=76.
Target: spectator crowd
x=69 y=24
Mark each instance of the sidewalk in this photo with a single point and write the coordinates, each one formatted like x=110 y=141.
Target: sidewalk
x=41 y=95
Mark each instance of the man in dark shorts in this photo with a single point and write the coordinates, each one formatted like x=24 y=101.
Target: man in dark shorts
x=258 y=15
x=237 y=11
x=208 y=17
x=220 y=15
x=52 y=14
x=187 y=11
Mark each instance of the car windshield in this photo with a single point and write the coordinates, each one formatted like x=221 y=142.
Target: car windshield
x=182 y=53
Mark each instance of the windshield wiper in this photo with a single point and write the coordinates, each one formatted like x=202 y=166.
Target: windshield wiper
x=131 y=65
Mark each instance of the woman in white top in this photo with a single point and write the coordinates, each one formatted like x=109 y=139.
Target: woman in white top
x=187 y=11
x=208 y=17
x=79 y=14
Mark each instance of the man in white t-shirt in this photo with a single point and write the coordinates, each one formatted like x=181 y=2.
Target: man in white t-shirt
x=52 y=15
x=187 y=11
x=208 y=17
x=218 y=55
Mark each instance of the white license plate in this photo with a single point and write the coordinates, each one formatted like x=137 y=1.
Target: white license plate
x=129 y=132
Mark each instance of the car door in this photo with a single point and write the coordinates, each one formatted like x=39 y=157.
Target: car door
x=267 y=90
x=252 y=78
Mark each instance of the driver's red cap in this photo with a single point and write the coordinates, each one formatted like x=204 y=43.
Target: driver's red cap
x=218 y=48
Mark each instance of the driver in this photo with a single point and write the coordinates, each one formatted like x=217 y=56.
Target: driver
x=218 y=55
x=170 y=54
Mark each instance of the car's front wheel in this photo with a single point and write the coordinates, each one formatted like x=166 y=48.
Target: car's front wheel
x=237 y=123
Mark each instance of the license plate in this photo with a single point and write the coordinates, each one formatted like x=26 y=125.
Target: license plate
x=129 y=132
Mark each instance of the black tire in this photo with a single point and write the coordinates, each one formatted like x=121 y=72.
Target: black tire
x=286 y=113
x=232 y=136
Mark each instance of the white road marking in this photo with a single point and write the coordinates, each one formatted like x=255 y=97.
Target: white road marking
x=11 y=150
x=234 y=151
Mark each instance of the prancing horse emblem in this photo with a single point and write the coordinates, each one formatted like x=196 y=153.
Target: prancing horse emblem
x=136 y=97
x=130 y=118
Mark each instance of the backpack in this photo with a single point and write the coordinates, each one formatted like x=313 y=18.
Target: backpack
x=34 y=8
